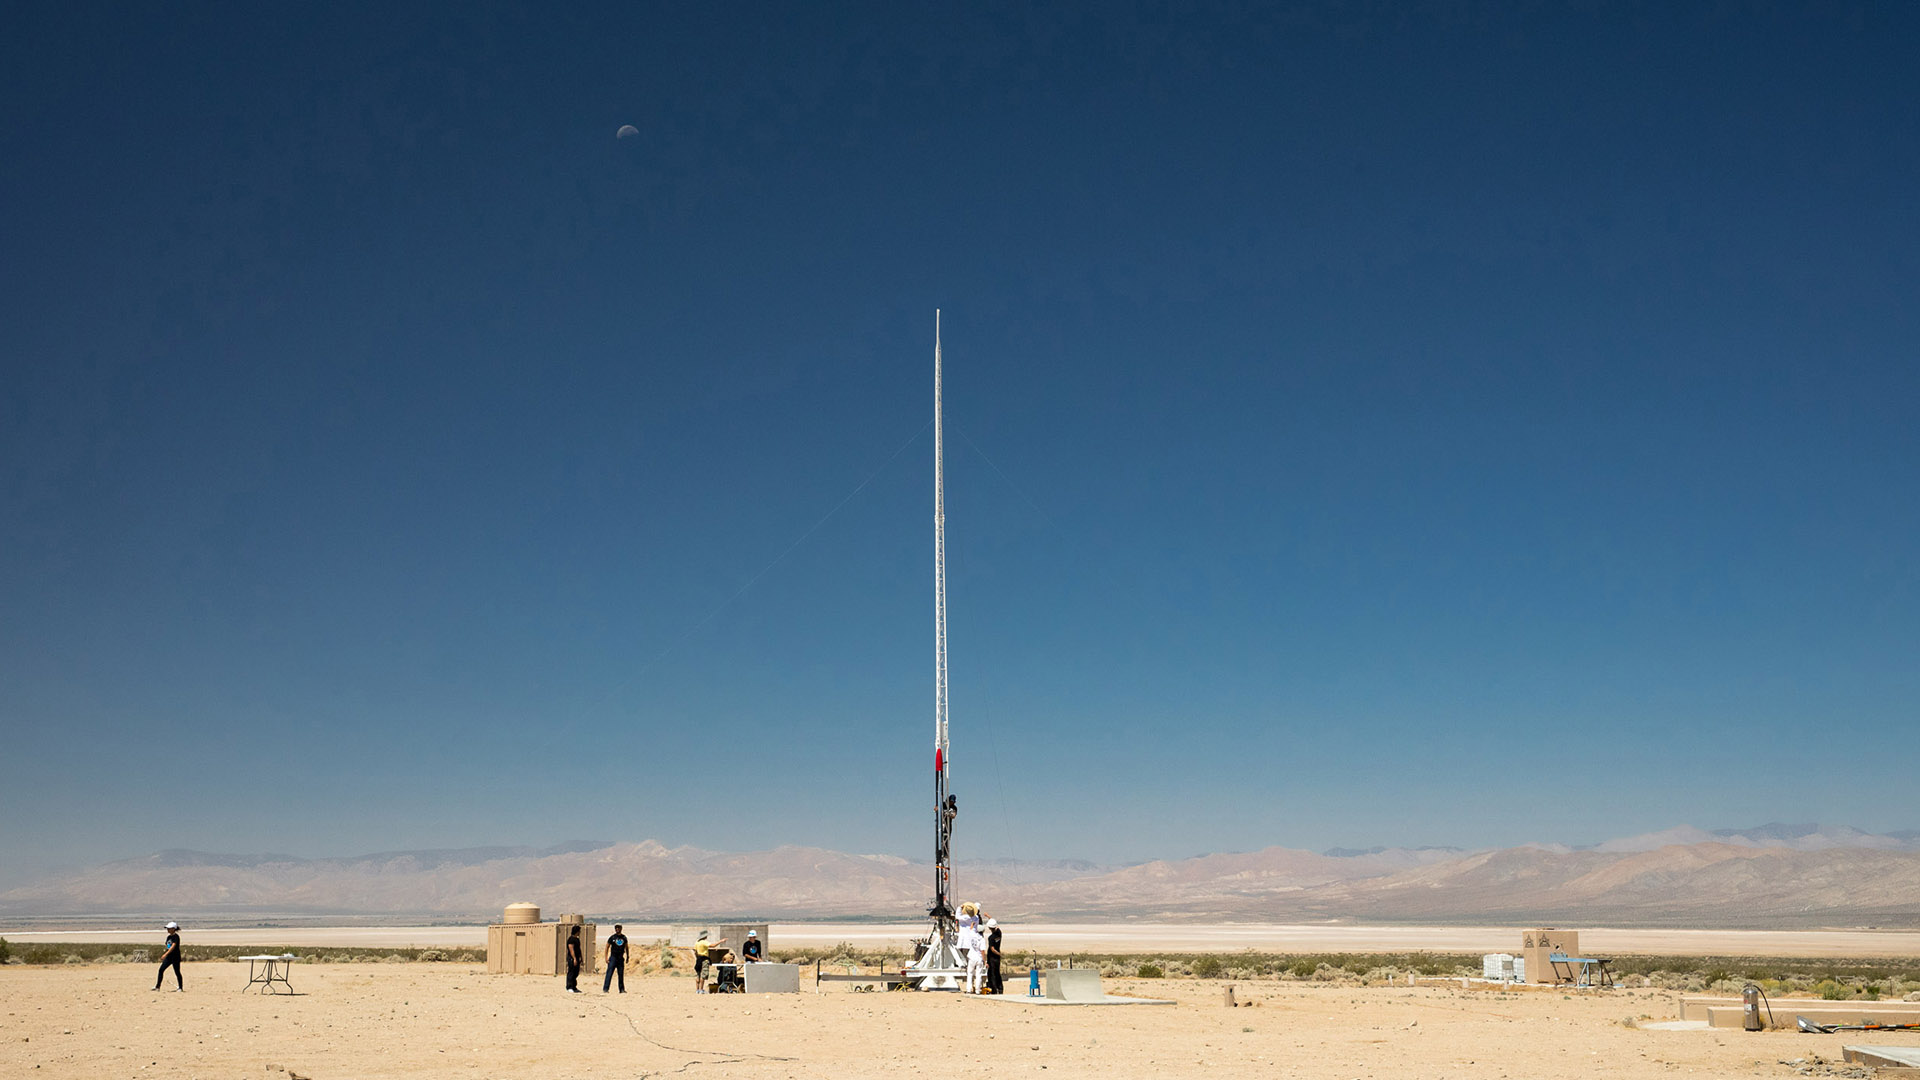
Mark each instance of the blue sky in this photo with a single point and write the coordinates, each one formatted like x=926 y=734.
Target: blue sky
x=1357 y=415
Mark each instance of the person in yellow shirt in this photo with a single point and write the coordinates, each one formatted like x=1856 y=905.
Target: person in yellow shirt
x=702 y=952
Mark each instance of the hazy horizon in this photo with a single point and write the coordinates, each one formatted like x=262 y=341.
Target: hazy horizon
x=583 y=845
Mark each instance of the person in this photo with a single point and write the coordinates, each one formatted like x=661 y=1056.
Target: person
x=971 y=942
x=995 y=984
x=573 y=961
x=750 y=952
x=616 y=960
x=702 y=952
x=171 y=958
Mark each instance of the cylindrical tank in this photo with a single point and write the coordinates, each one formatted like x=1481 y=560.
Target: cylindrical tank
x=1750 y=1008
x=517 y=914
x=573 y=920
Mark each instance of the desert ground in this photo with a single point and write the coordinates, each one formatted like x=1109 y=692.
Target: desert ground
x=1066 y=938
x=454 y=1020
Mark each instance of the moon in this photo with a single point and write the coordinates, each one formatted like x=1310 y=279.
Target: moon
x=626 y=130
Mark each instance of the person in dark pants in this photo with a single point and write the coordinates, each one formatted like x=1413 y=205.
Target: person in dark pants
x=995 y=984
x=616 y=960
x=171 y=958
x=573 y=961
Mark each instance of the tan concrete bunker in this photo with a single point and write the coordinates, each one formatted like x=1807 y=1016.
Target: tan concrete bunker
x=1553 y=957
x=520 y=944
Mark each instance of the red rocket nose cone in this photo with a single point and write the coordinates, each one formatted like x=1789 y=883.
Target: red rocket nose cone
x=936 y=759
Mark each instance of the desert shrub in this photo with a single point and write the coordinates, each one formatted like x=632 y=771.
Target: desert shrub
x=1325 y=972
x=1150 y=971
x=6 y=953
x=1833 y=991
x=73 y=958
x=1207 y=967
x=1871 y=992
x=1301 y=969
x=119 y=952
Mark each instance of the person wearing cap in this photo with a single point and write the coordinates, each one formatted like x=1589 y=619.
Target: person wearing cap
x=171 y=958
x=702 y=952
x=995 y=984
x=573 y=961
x=751 y=951
x=616 y=959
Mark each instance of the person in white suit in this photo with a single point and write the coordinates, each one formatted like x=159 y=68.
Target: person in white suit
x=972 y=942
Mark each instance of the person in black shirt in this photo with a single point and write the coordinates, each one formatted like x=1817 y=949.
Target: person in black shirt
x=750 y=952
x=616 y=960
x=573 y=961
x=171 y=958
x=995 y=984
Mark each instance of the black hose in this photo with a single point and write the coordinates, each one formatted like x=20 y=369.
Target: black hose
x=1755 y=987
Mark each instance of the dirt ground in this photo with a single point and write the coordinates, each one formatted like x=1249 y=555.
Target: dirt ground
x=453 y=1020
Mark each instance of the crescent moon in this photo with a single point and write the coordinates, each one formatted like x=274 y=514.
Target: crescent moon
x=626 y=130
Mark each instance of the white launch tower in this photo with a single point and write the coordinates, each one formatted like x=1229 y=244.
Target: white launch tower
x=938 y=965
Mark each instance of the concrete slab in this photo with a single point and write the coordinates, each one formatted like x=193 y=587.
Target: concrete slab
x=1787 y=1010
x=1072 y=984
x=772 y=978
x=1729 y=1011
x=1678 y=1025
x=1105 y=999
x=1893 y=1057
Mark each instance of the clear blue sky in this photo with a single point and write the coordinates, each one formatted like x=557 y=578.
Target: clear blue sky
x=1358 y=412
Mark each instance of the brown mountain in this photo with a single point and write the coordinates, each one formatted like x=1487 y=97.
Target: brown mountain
x=1722 y=882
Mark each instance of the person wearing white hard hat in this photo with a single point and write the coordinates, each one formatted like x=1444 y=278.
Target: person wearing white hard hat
x=752 y=951
x=171 y=958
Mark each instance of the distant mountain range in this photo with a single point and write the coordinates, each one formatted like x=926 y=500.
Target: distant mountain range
x=1769 y=876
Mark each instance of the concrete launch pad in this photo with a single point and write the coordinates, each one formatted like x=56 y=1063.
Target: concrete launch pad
x=1069 y=986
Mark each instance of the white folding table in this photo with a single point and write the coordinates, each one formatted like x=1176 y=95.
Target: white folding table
x=267 y=972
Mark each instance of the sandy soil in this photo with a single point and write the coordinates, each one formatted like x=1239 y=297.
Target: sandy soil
x=1064 y=938
x=453 y=1020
